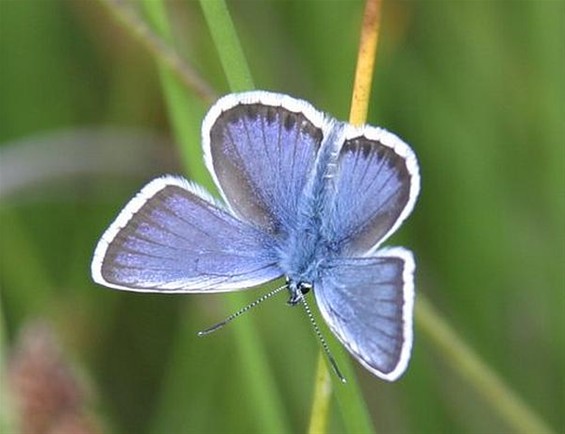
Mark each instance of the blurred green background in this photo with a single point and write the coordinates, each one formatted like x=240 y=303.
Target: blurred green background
x=478 y=90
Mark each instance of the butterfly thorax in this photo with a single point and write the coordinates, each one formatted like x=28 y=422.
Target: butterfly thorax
x=308 y=253
x=304 y=267
x=308 y=245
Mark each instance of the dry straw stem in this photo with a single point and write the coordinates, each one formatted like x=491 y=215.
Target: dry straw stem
x=130 y=20
x=461 y=357
x=365 y=62
x=358 y=115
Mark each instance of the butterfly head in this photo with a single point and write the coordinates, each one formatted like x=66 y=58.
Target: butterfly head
x=297 y=290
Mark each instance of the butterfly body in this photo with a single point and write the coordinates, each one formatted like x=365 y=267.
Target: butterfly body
x=310 y=242
x=305 y=197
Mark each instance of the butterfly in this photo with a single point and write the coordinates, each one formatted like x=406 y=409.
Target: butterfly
x=306 y=197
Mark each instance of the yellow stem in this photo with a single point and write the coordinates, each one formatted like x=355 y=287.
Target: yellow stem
x=365 y=62
x=358 y=115
x=321 y=401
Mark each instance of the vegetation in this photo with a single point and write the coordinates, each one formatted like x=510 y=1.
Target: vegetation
x=90 y=110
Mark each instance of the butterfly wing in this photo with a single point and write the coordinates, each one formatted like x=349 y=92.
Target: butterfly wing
x=260 y=148
x=368 y=304
x=173 y=238
x=373 y=189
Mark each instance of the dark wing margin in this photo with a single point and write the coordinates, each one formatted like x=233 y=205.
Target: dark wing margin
x=260 y=148
x=368 y=304
x=173 y=237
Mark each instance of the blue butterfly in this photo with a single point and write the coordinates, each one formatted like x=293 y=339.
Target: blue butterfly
x=306 y=197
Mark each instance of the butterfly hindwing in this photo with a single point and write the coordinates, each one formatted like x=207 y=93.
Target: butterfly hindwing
x=173 y=238
x=368 y=303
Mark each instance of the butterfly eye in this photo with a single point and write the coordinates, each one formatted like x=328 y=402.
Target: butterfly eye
x=304 y=287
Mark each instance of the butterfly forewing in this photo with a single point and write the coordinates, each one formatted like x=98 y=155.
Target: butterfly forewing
x=170 y=237
x=368 y=303
x=374 y=187
x=261 y=148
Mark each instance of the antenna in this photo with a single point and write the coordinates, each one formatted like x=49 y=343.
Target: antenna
x=241 y=311
x=321 y=338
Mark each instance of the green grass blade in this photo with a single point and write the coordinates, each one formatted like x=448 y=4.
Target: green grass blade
x=185 y=110
x=270 y=413
x=186 y=115
x=477 y=373
x=227 y=43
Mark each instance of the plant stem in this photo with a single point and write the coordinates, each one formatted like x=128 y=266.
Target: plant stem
x=227 y=43
x=353 y=408
x=468 y=364
x=130 y=20
x=269 y=408
x=185 y=110
x=365 y=62
x=321 y=400
x=461 y=357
